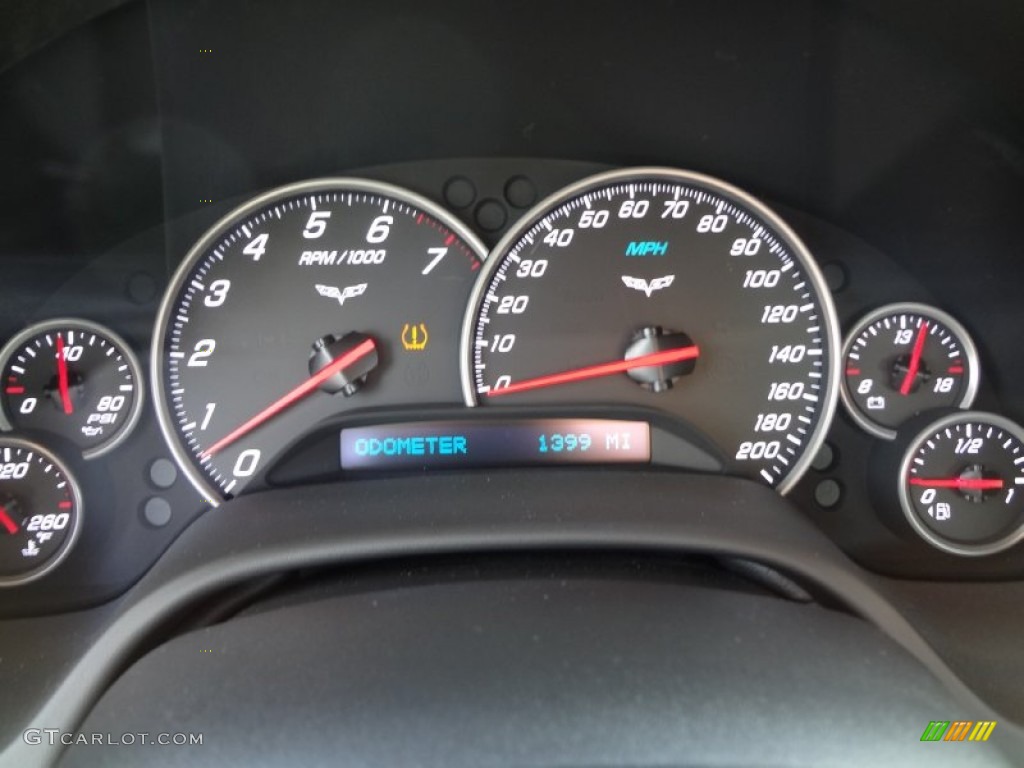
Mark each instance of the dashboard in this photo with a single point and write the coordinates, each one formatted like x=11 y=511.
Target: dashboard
x=366 y=331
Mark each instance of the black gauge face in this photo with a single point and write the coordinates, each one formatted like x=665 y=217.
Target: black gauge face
x=962 y=483
x=904 y=359
x=309 y=301
x=40 y=510
x=71 y=378
x=665 y=290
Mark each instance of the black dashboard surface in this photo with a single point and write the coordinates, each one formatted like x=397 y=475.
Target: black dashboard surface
x=890 y=139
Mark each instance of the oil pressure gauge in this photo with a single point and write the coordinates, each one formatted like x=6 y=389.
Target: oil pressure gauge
x=903 y=359
x=961 y=483
x=70 y=378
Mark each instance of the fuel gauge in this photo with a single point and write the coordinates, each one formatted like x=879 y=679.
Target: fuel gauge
x=902 y=360
x=71 y=378
x=961 y=483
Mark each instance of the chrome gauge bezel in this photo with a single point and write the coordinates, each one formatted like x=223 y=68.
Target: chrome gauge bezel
x=830 y=322
x=60 y=323
x=209 y=493
x=907 y=504
x=72 y=537
x=971 y=359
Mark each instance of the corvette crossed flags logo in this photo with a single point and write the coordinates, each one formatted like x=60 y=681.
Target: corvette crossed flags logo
x=333 y=292
x=648 y=286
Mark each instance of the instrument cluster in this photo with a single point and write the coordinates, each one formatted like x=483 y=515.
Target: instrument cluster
x=349 y=328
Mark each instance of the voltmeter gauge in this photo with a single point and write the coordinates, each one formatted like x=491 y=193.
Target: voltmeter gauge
x=902 y=360
x=71 y=378
x=40 y=511
x=961 y=483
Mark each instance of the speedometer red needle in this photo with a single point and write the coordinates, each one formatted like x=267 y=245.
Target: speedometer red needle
x=310 y=385
x=62 y=376
x=603 y=369
x=915 y=360
x=9 y=524
x=959 y=483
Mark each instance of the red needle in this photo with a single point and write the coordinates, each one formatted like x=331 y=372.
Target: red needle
x=9 y=524
x=604 y=369
x=309 y=385
x=62 y=376
x=960 y=483
x=915 y=360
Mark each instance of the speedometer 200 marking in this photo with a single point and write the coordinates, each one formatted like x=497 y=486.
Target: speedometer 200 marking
x=310 y=301
x=667 y=290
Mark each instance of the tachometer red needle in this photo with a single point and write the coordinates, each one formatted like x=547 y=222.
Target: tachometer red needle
x=10 y=525
x=310 y=385
x=603 y=369
x=62 y=376
x=959 y=483
x=915 y=360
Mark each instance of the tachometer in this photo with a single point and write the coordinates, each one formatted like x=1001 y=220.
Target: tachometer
x=668 y=290
x=311 y=300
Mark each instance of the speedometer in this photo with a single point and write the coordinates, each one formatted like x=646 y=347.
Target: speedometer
x=313 y=300
x=664 y=290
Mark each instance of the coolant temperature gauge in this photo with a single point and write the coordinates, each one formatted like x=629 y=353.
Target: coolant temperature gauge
x=961 y=483
x=902 y=360
x=40 y=511
x=71 y=378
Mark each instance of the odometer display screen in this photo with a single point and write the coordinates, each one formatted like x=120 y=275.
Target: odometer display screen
x=455 y=444
x=667 y=290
